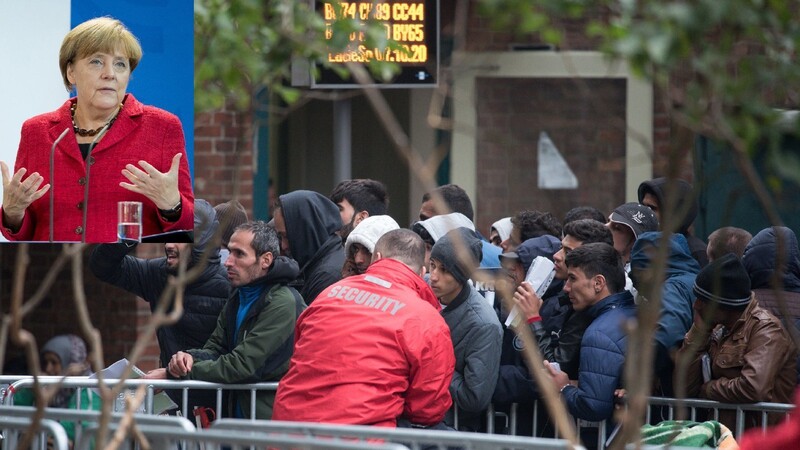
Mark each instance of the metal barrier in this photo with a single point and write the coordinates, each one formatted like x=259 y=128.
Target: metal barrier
x=183 y=385
x=166 y=437
x=668 y=405
x=414 y=438
x=693 y=405
x=84 y=415
x=12 y=427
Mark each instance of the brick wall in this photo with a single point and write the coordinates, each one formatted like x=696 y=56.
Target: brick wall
x=512 y=113
x=222 y=160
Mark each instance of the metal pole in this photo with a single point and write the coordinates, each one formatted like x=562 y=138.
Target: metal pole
x=342 y=139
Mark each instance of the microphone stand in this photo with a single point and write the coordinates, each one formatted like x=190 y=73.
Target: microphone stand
x=52 y=181
x=88 y=170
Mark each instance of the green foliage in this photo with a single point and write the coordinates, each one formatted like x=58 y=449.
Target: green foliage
x=244 y=45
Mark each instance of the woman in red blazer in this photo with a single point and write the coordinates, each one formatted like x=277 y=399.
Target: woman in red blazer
x=105 y=143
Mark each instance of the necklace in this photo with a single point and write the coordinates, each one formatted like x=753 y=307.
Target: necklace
x=83 y=132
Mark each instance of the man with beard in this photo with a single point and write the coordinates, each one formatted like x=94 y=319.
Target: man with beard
x=361 y=243
x=358 y=199
x=204 y=298
x=254 y=336
x=307 y=222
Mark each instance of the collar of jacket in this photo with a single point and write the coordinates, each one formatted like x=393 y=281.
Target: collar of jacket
x=460 y=299
x=611 y=302
x=738 y=330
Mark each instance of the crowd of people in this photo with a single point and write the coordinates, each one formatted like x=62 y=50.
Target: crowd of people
x=364 y=322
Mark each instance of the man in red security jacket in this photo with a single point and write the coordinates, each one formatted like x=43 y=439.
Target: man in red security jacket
x=372 y=349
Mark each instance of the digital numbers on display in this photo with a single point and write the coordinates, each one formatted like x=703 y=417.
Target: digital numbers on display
x=404 y=22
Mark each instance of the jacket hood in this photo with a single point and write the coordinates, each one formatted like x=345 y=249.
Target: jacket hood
x=369 y=231
x=503 y=227
x=438 y=226
x=205 y=225
x=760 y=257
x=657 y=187
x=680 y=258
x=311 y=219
x=283 y=271
x=545 y=246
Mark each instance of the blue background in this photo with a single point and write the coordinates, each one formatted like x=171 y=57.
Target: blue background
x=165 y=75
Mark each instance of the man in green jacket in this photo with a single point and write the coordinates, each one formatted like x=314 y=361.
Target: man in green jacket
x=254 y=337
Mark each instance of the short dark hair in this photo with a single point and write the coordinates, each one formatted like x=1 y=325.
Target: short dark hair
x=532 y=223
x=584 y=212
x=403 y=245
x=599 y=258
x=455 y=198
x=265 y=238
x=589 y=231
x=728 y=240
x=364 y=194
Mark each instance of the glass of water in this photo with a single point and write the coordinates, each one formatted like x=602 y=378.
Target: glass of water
x=129 y=222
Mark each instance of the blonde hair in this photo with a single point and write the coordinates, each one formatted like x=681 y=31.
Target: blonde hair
x=101 y=34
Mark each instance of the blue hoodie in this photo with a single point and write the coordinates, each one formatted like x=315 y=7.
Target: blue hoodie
x=676 y=297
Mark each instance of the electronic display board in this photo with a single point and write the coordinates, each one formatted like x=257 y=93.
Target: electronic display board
x=413 y=24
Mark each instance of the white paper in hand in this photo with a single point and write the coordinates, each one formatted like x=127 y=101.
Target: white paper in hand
x=540 y=275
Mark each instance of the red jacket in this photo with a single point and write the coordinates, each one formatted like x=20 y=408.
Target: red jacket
x=139 y=133
x=369 y=351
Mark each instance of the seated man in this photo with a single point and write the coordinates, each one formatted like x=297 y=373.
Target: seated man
x=476 y=333
x=372 y=349
x=751 y=357
x=596 y=284
x=254 y=337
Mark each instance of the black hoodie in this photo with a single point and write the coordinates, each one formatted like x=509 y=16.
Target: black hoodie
x=311 y=224
x=683 y=191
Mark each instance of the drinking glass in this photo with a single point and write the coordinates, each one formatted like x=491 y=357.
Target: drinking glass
x=129 y=222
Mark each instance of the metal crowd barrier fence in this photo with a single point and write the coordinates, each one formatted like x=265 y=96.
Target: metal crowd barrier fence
x=693 y=406
x=79 y=416
x=665 y=407
x=168 y=438
x=151 y=386
x=414 y=438
x=13 y=427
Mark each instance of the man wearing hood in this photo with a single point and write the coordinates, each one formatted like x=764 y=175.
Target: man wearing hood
x=476 y=333
x=254 y=336
x=652 y=194
x=361 y=242
x=677 y=297
x=148 y=278
x=761 y=261
x=307 y=223
x=203 y=299
x=515 y=383
x=454 y=199
x=430 y=230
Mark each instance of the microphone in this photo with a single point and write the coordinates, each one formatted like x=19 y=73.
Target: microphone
x=52 y=181
x=88 y=171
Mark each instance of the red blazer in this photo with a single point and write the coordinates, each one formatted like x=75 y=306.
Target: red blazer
x=139 y=133
x=369 y=350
